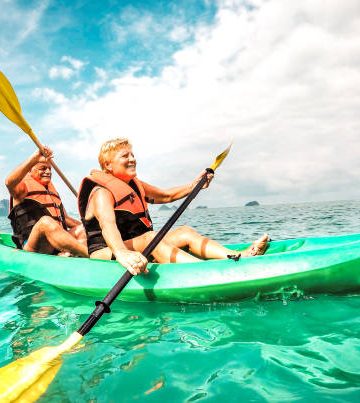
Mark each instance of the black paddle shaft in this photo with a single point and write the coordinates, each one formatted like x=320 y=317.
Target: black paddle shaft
x=104 y=305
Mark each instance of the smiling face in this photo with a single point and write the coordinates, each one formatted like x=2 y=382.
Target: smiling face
x=116 y=157
x=122 y=163
x=41 y=172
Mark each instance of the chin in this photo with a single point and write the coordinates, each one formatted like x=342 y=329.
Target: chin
x=126 y=177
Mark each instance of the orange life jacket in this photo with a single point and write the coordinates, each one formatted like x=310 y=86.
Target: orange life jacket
x=39 y=201
x=130 y=207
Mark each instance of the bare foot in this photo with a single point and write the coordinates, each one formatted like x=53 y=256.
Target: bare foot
x=257 y=248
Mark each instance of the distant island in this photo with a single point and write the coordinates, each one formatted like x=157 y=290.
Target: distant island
x=252 y=203
x=164 y=207
x=201 y=207
x=4 y=208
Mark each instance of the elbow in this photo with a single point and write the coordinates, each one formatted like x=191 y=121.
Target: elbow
x=8 y=183
x=169 y=197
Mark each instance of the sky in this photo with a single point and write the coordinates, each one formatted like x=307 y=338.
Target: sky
x=181 y=80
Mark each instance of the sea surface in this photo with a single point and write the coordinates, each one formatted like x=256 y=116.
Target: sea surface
x=304 y=349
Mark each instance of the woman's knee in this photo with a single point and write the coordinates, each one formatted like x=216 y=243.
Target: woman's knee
x=181 y=236
x=185 y=231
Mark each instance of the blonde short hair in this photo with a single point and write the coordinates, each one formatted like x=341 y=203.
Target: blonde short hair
x=109 y=147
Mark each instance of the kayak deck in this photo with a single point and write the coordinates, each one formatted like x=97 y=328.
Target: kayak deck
x=312 y=265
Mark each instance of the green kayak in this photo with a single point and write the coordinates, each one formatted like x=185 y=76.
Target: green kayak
x=310 y=265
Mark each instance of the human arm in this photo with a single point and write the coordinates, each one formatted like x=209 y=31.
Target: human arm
x=160 y=196
x=14 y=183
x=71 y=222
x=75 y=228
x=102 y=203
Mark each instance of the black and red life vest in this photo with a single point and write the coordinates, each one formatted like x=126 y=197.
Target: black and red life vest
x=38 y=202
x=130 y=207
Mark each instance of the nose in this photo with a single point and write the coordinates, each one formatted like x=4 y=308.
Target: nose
x=46 y=171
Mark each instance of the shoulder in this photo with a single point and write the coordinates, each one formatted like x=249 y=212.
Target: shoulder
x=19 y=192
x=100 y=200
x=100 y=193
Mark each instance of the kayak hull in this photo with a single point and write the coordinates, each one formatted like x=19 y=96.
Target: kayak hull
x=303 y=265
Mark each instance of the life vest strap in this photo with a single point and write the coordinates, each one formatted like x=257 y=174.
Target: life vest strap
x=93 y=233
x=42 y=192
x=51 y=205
x=140 y=215
x=130 y=197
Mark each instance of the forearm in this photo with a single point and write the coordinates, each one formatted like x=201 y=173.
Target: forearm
x=174 y=194
x=101 y=206
x=71 y=222
x=160 y=196
x=113 y=238
x=131 y=260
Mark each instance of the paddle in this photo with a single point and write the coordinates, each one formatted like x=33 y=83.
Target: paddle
x=10 y=107
x=29 y=377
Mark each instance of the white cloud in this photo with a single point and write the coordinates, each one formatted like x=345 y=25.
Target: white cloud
x=61 y=72
x=21 y=23
x=68 y=69
x=180 y=33
x=282 y=79
x=150 y=28
x=132 y=22
x=76 y=64
x=101 y=73
x=49 y=95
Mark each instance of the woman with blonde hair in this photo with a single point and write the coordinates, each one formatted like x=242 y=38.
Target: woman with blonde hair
x=113 y=208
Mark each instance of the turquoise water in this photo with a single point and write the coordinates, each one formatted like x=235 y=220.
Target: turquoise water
x=304 y=349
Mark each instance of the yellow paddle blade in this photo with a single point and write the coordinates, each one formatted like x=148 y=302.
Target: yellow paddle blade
x=40 y=387
x=26 y=373
x=10 y=106
x=220 y=158
x=6 y=87
x=30 y=376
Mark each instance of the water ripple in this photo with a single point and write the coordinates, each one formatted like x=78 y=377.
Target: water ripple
x=305 y=349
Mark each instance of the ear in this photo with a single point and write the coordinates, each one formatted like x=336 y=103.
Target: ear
x=108 y=166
